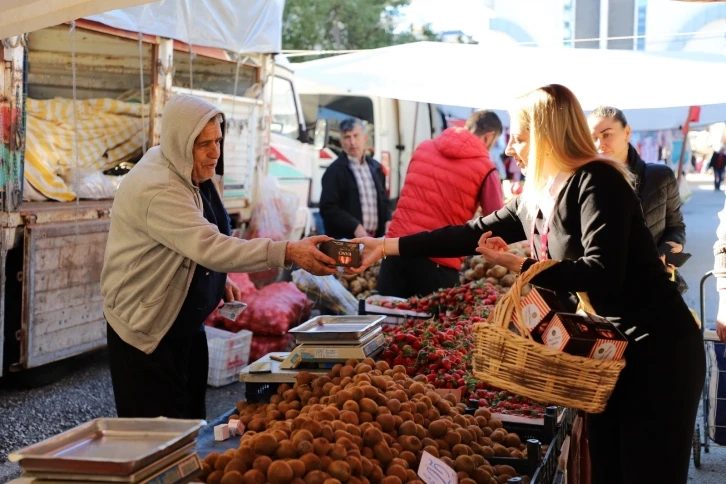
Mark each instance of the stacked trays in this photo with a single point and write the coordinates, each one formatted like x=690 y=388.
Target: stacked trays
x=338 y=330
x=130 y=451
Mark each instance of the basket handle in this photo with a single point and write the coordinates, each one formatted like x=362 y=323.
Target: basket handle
x=511 y=302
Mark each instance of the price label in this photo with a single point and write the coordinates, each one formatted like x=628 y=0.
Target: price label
x=325 y=353
x=434 y=471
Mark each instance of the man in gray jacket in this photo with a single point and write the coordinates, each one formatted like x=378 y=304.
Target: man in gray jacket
x=165 y=270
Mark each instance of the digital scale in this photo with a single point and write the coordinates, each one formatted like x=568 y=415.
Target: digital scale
x=327 y=340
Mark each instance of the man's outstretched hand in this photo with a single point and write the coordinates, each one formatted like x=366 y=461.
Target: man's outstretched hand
x=305 y=253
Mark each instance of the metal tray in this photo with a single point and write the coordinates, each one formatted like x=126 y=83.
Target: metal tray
x=366 y=338
x=337 y=328
x=138 y=476
x=116 y=447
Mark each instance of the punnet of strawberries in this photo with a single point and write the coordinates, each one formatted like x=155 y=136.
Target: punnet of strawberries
x=441 y=348
x=467 y=300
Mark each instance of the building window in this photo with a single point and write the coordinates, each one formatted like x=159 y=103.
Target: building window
x=640 y=23
x=284 y=111
x=568 y=19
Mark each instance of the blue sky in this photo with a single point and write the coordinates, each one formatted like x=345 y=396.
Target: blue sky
x=469 y=16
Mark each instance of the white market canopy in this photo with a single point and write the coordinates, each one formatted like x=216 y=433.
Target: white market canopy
x=242 y=26
x=655 y=88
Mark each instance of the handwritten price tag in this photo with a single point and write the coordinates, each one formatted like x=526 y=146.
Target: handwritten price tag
x=434 y=471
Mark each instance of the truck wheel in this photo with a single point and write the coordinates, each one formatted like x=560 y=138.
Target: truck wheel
x=38 y=377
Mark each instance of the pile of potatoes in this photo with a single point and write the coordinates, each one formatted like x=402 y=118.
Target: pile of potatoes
x=361 y=285
x=476 y=268
x=363 y=423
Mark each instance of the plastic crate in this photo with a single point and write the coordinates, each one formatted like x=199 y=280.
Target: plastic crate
x=260 y=392
x=228 y=354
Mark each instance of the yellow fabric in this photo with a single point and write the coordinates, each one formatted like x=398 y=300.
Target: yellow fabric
x=695 y=317
x=105 y=127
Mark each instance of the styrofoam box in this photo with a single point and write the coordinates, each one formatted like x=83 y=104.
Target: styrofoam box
x=228 y=354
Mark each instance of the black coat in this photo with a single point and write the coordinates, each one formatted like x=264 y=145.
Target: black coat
x=340 y=200
x=657 y=190
x=715 y=163
x=598 y=233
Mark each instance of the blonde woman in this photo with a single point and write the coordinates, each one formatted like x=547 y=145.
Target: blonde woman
x=581 y=210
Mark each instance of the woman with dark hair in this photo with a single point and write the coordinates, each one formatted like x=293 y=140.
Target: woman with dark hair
x=580 y=209
x=655 y=184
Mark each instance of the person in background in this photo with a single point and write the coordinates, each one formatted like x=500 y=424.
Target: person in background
x=447 y=179
x=718 y=163
x=354 y=201
x=580 y=209
x=655 y=184
x=165 y=268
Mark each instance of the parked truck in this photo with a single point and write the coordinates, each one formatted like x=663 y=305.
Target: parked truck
x=52 y=247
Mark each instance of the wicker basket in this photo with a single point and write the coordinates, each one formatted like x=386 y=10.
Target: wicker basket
x=514 y=362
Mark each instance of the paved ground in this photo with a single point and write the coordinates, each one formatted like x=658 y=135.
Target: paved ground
x=28 y=416
x=82 y=394
x=701 y=222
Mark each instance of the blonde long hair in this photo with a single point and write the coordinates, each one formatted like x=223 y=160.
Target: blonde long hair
x=559 y=134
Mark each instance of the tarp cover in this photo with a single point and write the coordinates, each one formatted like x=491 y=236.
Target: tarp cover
x=243 y=26
x=492 y=76
x=18 y=17
x=109 y=131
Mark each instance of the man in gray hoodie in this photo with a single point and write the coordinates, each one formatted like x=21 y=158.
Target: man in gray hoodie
x=165 y=269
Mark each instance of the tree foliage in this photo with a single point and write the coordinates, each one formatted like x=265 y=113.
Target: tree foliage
x=346 y=24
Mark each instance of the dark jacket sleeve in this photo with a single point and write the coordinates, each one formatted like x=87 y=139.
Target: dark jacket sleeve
x=675 y=229
x=333 y=215
x=462 y=240
x=605 y=222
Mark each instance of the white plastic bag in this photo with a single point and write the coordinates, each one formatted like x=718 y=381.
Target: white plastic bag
x=684 y=190
x=93 y=185
x=274 y=214
x=326 y=291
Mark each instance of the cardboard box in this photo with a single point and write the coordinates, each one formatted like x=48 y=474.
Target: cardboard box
x=585 y=335
x=345 y=254
x=538 y=308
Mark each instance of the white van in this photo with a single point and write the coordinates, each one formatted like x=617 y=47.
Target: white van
x=395 y=128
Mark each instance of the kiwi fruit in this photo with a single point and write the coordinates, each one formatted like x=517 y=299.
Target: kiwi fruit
x=262 y=463
x=280 y=472
x=222 y=462
x=233 y=477
x=398 y=471
x=464 y=463
x=216 y=477
x=265 y=444
x=339 y=470
x=391 y=480
x=236 y=465
x=512 y=440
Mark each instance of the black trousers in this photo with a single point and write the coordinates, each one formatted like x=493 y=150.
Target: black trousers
x=403 y=277
x=646 y=431
x=717 y=178
x=170 y=382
